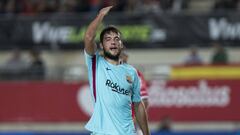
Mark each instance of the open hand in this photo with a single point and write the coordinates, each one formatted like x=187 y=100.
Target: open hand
x=105 y=10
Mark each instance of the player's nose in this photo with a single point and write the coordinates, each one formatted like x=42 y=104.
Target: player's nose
x=113 y=43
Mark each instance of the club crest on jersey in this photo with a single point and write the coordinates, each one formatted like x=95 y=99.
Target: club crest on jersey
x=129 y=79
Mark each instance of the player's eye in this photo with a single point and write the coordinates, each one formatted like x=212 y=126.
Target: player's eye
x=107 y=38
x=117 y=38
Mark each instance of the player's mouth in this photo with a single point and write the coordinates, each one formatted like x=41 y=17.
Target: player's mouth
x=113 y=48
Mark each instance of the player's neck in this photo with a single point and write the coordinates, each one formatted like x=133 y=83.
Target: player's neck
x=114 y=62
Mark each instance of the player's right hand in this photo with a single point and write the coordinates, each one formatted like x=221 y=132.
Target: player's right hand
x=104 y=11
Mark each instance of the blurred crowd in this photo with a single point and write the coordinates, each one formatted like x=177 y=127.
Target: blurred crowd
x=32 y=66
x=19 y=67
x=219 y=55
x=33 y=7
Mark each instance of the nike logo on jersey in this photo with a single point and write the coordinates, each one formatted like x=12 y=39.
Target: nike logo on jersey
x=108 y=69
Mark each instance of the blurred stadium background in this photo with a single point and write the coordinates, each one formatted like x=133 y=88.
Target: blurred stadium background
x=188 y=50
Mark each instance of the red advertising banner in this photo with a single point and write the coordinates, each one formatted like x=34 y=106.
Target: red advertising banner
x=195 y=100
x=182 y=100
x=40 y=101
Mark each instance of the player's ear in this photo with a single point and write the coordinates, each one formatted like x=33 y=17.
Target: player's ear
x=101 y=45
x=122 y=46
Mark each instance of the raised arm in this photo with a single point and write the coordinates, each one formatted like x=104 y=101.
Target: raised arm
x=89 y=43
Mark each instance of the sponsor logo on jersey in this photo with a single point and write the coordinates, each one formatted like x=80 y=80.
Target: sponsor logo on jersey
x=116 y=88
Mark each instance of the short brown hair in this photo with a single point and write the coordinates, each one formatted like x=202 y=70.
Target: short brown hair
x=109 y=29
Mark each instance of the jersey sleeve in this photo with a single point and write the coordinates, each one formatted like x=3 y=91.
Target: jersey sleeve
x=91 y=62
x=143 y=86
x=136 y=89
x=88 y=59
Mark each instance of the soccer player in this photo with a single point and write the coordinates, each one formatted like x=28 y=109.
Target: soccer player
x=143 y=82
x=143 y=90
x=114 y=86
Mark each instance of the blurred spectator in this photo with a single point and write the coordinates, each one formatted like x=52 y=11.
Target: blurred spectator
x=143 y=6
x=32 y=7
x=166 y=4
x=46 y=6
x=10 y=7
x=15 y=66
x=165 y=124
x=84 y=6
x=131 y=5
x=223 y=5
x=70 y=6
x=36 y=69
x=220 y=55
x=53 y=5
x=178 y=5
x=193 y=58
x=28 y=7
x=41 y=6
x=152 y=6
x=2 y=7
x=94 y=5
x=238 y=5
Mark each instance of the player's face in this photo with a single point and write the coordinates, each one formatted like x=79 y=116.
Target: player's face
x=112 y=45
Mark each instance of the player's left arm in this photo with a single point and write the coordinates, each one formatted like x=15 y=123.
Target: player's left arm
x=139 y=109
x=143 y=89
x=145 y=103
x=141 y=117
